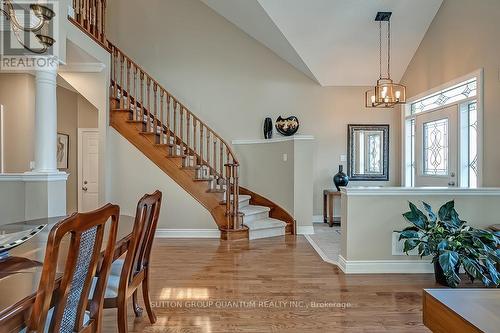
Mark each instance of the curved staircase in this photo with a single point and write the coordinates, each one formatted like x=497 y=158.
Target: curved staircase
x=190 y=152
x=180 y=143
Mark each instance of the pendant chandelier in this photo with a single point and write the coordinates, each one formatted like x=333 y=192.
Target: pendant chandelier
x=386 y=93
x=44 y=15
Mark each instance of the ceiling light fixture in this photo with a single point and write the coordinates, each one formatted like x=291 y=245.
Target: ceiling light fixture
x=386 y=93
x=43 y=13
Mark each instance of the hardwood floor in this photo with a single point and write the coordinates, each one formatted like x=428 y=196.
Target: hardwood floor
x=270 y=285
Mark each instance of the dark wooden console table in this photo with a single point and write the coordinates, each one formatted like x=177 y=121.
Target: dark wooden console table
x=328 y=204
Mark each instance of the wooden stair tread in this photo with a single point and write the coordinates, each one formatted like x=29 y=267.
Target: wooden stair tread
x=191 y=167
x=216 y=190
x=202 y=179
x=174 y=156
x=149 y=133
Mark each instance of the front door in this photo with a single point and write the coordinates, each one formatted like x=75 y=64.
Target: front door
x=436 y=148
x=88 y=198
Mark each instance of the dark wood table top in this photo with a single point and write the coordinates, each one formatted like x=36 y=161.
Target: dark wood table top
x=479 y=307
x=21 y=272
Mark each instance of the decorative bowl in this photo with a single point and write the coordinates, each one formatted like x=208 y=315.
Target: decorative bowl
x=288 y=126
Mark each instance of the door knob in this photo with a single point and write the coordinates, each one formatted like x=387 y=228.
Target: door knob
x=451 y=183
x=84 y=188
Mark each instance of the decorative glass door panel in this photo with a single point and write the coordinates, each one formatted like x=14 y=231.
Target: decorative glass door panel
x=435 y=147
x=436 y=143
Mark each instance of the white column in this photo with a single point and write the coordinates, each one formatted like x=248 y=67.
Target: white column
x=46 y=121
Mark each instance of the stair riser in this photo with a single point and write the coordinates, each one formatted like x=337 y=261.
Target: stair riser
x=255 y=217
x=266 y=233
x=242 y=204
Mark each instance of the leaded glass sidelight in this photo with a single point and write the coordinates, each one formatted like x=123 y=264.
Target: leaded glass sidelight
x=435 y=147
x=473 y=134
x=451 y=95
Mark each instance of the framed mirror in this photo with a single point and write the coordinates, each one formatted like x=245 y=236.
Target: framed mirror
x=368 y=152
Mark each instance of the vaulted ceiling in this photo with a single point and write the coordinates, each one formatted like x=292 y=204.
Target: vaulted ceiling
x=334 y=42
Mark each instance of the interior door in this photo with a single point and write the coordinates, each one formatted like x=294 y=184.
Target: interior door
x=88 y=174
x=436 y=148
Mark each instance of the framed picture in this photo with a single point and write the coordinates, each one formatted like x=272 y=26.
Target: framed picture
x=62 y=151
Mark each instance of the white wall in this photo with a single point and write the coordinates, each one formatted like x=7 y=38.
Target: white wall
x=265 y=171
x=11 y=201
x=463 y=38
x=17 y=95
x=372 y=215
x=132 y=175
x=233 y=82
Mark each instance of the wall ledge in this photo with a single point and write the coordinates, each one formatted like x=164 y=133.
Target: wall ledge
x=408 y=191
x=34 y=177
x=384 y=266
x=274 y=140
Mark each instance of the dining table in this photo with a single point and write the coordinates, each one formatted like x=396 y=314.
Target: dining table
x=21 y=271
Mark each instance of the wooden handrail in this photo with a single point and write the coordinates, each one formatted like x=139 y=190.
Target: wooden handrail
x=174 y=100
x=164 y=116
x=172 y=124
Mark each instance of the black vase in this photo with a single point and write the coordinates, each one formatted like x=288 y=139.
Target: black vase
x=340 y=179
x=268 y=128
x=439 y=274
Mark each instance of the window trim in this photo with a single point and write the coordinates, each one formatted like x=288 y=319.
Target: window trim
x=407 y=115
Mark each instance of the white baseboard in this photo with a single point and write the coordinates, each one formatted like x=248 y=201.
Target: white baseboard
x=187 y=233
x=385 y=266
x=305 y=230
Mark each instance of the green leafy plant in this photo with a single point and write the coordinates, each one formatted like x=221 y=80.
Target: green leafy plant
x=452 y=244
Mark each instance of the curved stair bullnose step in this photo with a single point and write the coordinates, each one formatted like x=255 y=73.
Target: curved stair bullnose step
x=253 y=213
x=265 y=228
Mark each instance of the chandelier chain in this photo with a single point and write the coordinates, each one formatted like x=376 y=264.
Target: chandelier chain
x=380 y=48
x=388 y=49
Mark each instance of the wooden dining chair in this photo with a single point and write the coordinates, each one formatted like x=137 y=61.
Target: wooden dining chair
x=70 y=309
x=128 y=274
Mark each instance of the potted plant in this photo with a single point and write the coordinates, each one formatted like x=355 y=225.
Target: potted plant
x=452 y=244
